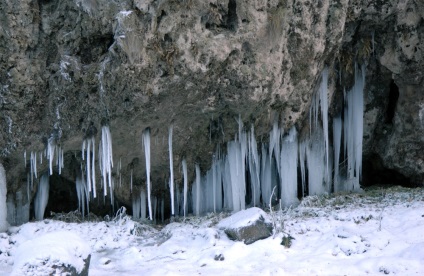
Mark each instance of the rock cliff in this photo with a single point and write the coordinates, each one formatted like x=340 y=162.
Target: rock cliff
x=69 y=67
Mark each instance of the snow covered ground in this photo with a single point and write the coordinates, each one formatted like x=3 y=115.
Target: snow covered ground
x=375 y=233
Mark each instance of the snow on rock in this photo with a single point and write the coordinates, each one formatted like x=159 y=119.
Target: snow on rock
x=59 y=252
x=247 y=225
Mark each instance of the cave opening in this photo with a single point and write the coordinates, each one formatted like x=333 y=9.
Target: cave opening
x=375 y=174
x=391 y=106
x=62 y=196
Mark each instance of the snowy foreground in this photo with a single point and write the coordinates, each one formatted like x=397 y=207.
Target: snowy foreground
x=375 y=233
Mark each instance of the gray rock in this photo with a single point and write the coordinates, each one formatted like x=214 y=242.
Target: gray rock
x=68 y=66
x=248 y=225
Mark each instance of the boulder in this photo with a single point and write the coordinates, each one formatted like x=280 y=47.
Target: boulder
x=56 y=253
x=247 y=225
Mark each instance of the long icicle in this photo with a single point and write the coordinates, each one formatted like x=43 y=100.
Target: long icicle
x=171 y=167
x=184 y=163
x=146 y=140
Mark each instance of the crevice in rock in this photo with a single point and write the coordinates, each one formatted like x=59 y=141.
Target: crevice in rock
x=91 y=49
x=393 y=98
x=232 y=20
x=159 y=18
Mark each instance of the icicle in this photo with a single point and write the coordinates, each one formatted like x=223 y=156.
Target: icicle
x=171 y=167
x=254 y=165
x=274 y=143
x=25 y=159
x=354 y=113
x=324 y=115
x=146 y=140
x=315 y=154
x=88 y=165
x=82 y=193
x=184 y=164
x=41 y=158
x=28 y=187
x=42 y=197
x=107 y=158
x=266 y=185
x=236 y=163
x=59 y=159
x=136 y=206
x=50 y=153
x=197 y=190
x=214 y=184
x=93 y=165
x=302 y=159
x=131 y=180
x=337 y=137
x=289 y=155
x=143 y=204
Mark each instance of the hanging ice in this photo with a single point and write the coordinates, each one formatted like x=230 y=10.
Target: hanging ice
x=90 y=164
x=197 y=191
x=337 y=137
x=82 y=194
x=146 y=142
x=288 y=171
x=106 y=158
x=254 y=167
x=266 y=183
x=42 y=197
x=3 y=193
x=353 y=126
x=171 y=167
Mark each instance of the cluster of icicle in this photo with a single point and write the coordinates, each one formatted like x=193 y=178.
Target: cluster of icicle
x=86 y=180
x=246 y=176
x=247 y=173
x=42 y=195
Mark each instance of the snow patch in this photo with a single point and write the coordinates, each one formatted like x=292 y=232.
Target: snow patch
x=244 y=218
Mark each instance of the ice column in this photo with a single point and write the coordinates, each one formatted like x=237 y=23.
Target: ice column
x=42 y=197
x=354 y=122
x=3 y=193
x=288 y=171
x=146 y=142
x=337 y=139
x=171 y=167
x=106 y=158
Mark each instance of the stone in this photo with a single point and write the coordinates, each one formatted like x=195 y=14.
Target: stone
x=247 y=225
x=58 y=253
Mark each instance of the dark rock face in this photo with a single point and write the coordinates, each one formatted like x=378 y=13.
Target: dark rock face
x=248 y=226
x=69 y=67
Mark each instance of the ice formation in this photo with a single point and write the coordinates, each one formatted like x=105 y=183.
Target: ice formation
x=3 y=206
x=42 y=197
x=185 y=175
x=139 y=205
x=171 y=168
x=146 y=142
x=337 y=139
x=90 y=164
x=242 y=176
x=353 y=126
x=106 y=159
x=83 y=194
x=289 y=158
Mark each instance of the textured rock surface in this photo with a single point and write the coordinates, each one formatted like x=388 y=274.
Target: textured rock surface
x=247 y=225
x=67 y=67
